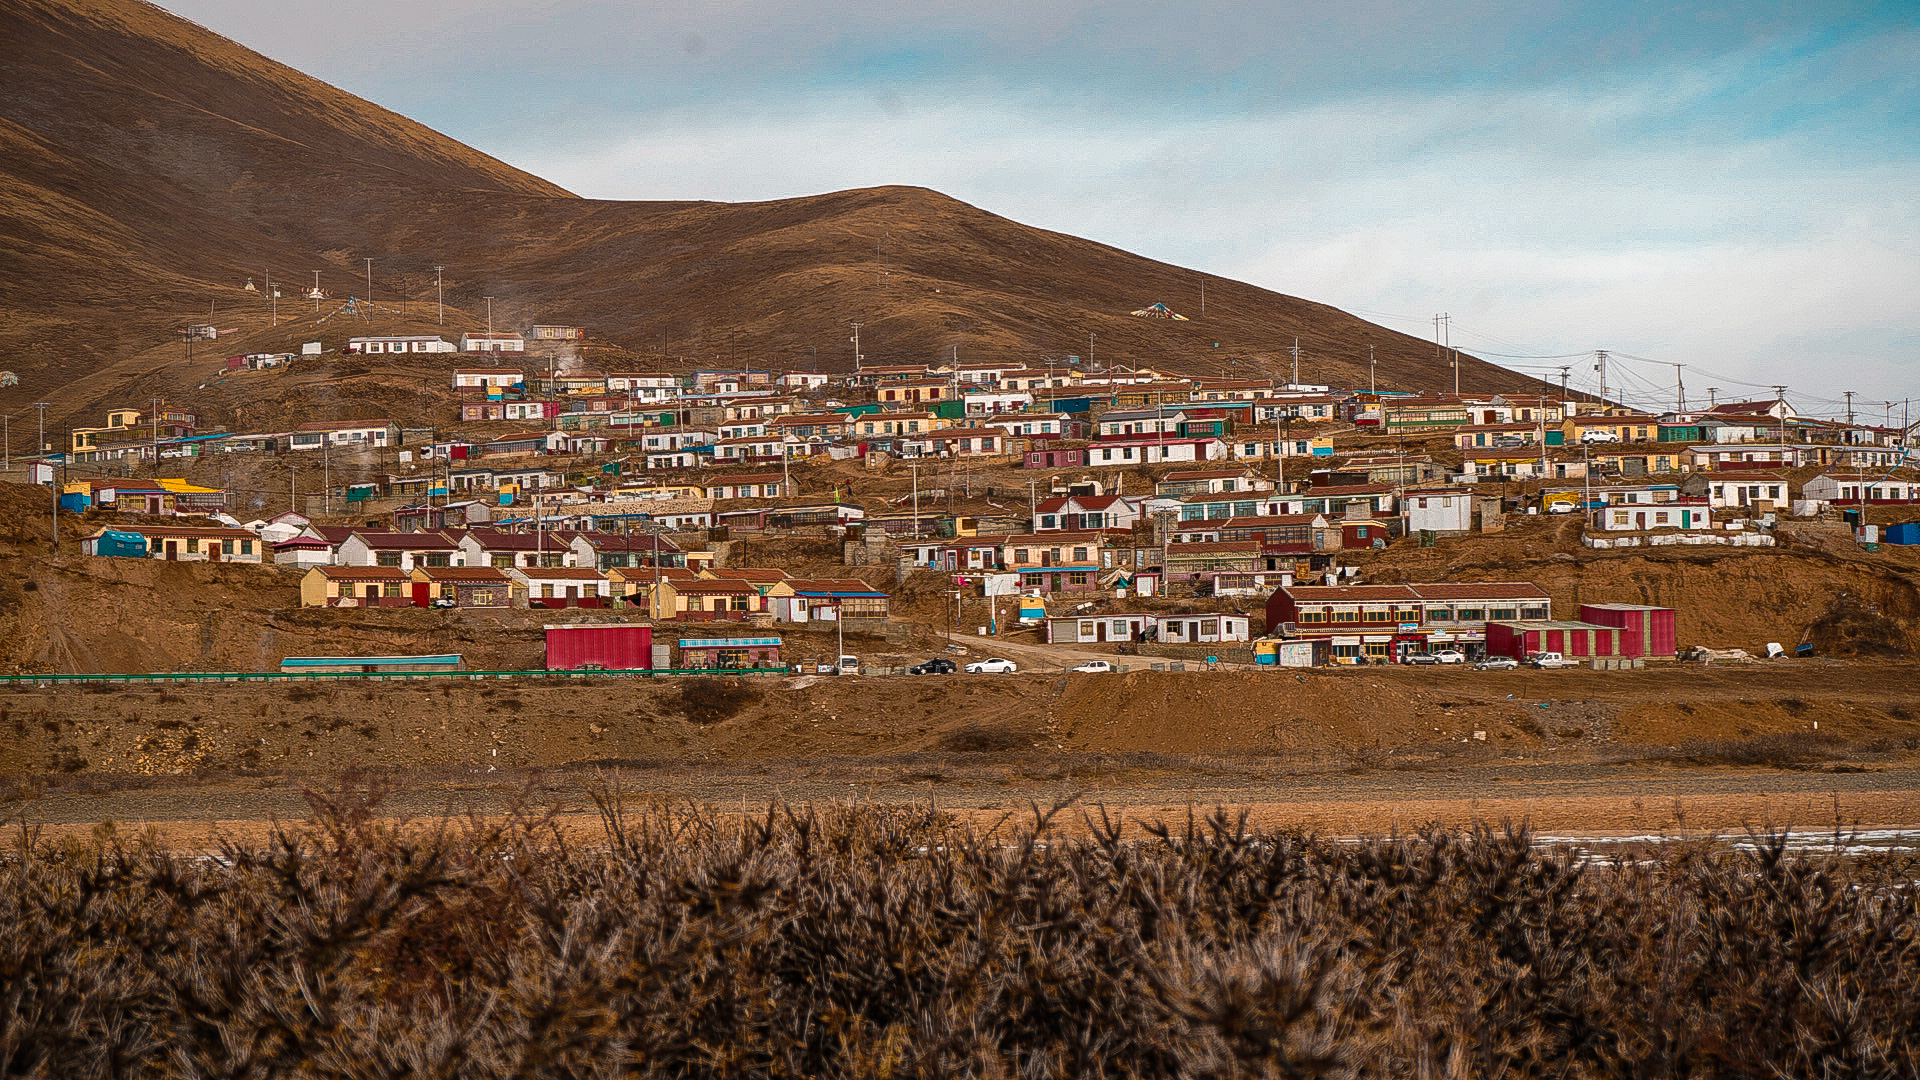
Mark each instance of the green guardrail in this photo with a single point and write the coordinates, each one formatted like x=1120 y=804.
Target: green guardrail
x=191 y=677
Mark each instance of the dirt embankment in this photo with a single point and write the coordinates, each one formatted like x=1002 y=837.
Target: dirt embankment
x=1357 y=719
x=1844 y=601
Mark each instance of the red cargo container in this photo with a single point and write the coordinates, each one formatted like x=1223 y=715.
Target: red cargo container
x=1573 y=640
x=1644 y=631
x=606 y=646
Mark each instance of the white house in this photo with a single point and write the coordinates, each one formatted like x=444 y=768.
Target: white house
x=400 y=343
x=1076 y=513
x=1693 y=514
x=644 y=386
x=404 y=550
x=1155 y=451
x=1732 y=490
x=1442 y=512
x=345 y=434
x=1857 y=488
x=1200 y=629
x=989 y=402
x=1128 y=423
x=492 y=343
x=1033 y=425
x=489 y=378
x=955 y=442
x=805 y=380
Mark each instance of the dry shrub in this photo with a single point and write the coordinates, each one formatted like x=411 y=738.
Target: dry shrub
x=1780 y=750
x=864 y=942
x=710 y=699
x=977 y=738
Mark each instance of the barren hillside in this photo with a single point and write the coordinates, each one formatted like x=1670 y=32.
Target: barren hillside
x=151 y=168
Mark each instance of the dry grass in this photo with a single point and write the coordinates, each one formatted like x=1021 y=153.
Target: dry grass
x=872 y=941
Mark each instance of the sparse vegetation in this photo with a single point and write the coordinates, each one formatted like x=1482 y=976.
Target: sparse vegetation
x=869 y=942
x=986 y=739
x=709 y=700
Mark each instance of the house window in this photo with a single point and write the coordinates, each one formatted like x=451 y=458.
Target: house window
x=226 y=547
x=1079 y=577
x=246 y=547
x=1020 y=555
x=546 y=591
x=1079 y=554
x=393 y=590
x=1502 y=614
x=1086 y=631
x=1533 y=614
x=438 y=558
x=1377 y=649
x=501 y=561
x=386 y=558
x=1312 y=617
x=1469 y=614
x=1346 y=616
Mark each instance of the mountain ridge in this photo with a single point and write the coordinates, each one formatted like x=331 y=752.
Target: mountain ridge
x=150 y=167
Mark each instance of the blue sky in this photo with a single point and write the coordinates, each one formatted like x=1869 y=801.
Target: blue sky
x=1733 y=187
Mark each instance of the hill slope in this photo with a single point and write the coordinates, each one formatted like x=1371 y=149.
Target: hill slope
x=150 y=167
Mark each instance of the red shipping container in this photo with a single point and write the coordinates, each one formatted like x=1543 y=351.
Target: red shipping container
x=1644 y=631
x=606 y=646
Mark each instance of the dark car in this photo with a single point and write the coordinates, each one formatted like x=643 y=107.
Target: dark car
x=938 y=665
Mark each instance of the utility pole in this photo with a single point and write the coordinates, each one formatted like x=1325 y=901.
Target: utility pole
x=369 y=283
x=273 y=299
x=1848 y=394
x=316 y=292
x=156 y=436
x=1296 y=363
x=1440 y=349
x=1091 y=366
x=6 y=424
x=1372 y=370
x=856 y=345
x=1679 y=387
x=41 y=447
x=489 y=321
x=1600 y=365
x=1780 y=395
x=439 y=296
x=1712 y=394
x=293 y=489
x=1203 y=296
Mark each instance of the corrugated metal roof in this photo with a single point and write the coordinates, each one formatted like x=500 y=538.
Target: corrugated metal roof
x=727 y=643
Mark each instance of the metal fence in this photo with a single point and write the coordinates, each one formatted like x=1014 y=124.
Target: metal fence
x=201 y=677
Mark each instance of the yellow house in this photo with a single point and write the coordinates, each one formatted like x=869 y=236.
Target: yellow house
x=355 y=586
x=1625 y=427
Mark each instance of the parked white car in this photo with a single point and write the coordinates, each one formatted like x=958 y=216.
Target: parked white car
x=994 y=666
x=1093 y=667
x=1597 y=435
x=1444 y=656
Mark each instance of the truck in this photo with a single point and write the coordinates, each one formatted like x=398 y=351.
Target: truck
x=1551 y=660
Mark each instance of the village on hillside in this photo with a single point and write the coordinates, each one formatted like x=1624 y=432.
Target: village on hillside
x=1118 y=509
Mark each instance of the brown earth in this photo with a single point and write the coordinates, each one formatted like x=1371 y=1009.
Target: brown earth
x=151 y=167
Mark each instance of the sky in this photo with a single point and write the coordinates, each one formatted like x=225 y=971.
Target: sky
x=1732 y=187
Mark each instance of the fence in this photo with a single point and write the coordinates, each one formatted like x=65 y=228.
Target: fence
x=199 y=677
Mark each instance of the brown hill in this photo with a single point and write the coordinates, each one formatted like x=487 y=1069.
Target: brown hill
x=150 y=167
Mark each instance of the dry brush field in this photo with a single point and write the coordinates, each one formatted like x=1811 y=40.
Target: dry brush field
x=861 y=941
